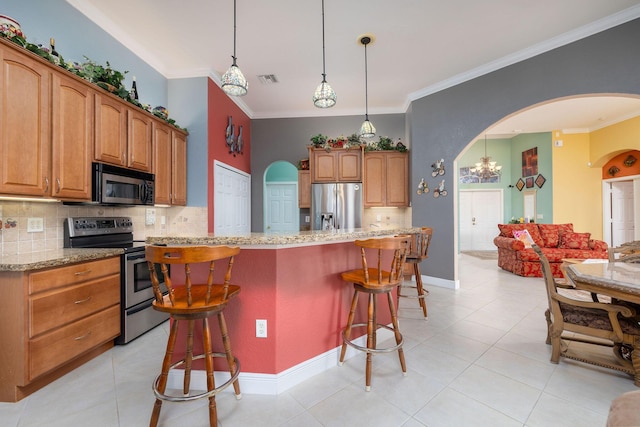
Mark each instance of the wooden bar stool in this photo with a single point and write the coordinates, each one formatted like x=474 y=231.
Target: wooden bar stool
x=374 y=281
x=189 y=303
x=418 y=252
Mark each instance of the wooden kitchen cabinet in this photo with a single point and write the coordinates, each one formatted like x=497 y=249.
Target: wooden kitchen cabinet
x=386 y=179
x=139 y=140
x=179 y=168
x=25 y=128
x=72 y=137
x=170 y=165
x=337 y=165
x=304 y=189
x=110 y=144
x=54 y=320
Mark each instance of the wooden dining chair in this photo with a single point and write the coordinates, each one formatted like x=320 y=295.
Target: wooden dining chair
x=418 y=251
x=588 y=322
x=189 y=303
x=373 y=279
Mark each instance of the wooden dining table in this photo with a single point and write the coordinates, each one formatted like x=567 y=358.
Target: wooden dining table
x=616 y=279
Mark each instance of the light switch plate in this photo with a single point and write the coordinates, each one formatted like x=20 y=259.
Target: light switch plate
x=35 y=225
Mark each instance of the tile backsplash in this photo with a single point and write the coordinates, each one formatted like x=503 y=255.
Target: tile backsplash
x=15 y=239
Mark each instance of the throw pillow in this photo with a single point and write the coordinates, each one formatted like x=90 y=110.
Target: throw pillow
x=551 y=233
x=570 y=240
x=507 y=230
x=524 y=237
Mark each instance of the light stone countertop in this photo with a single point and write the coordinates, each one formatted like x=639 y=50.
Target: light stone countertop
x=282 y=240
x=53 y=258
x=619 y=276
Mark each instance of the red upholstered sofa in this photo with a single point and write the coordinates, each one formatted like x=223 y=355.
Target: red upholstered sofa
x=557 y=241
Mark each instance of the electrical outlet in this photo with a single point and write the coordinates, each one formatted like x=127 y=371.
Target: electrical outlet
x=35 y=225
x=261 y=328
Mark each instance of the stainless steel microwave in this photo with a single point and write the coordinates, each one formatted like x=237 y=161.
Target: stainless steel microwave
x=112 y=185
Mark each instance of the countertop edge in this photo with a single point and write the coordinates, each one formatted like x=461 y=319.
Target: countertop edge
x=53 y=258
x=281 y=241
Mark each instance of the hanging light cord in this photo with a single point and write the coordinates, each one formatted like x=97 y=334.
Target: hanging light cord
x=234 y=33
x=366 y=82
x=324 y=75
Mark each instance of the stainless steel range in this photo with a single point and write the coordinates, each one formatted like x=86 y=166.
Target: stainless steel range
x=137 y=314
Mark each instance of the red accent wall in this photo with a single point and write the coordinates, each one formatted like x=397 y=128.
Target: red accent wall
x=219 y=108
x=623 y=170
x=300 y=293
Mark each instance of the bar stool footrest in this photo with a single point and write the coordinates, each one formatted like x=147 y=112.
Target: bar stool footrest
x=371 y=350
x=190 y=397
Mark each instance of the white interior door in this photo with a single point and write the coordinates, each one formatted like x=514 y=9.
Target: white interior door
x=282 y=207
x=480 y=213
x=232 y=200
x=622 y=212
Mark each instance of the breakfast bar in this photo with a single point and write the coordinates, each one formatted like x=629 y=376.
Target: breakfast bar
x=291 y=280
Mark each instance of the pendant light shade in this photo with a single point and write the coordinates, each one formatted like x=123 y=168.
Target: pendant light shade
x=367 y=130
x=324 y=96
x=233 y=81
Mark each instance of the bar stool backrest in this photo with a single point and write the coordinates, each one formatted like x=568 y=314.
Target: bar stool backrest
x=399 y=245
x=187 y=255
x=419 y=248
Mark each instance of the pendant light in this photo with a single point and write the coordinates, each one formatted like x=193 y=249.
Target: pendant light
x=233 y=81
x=367 y=130
x=324 y=96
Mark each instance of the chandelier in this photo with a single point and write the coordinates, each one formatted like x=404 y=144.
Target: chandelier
x=485 y=169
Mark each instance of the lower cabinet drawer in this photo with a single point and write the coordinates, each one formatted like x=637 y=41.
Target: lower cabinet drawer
x=50 y=310
x=54 y=349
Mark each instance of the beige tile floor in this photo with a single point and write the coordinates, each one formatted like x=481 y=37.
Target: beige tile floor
x=480 y=360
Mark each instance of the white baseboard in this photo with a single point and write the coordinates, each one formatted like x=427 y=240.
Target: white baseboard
x=442 y=283
x=256 y=383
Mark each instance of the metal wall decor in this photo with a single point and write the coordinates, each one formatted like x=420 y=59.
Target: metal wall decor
x=235 y=143
x=440 y=190
x=438 y=168
x=423 y=187
x=613 y=170
x=629 y=161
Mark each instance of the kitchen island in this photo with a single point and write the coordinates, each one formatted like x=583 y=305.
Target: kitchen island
x=291 y=280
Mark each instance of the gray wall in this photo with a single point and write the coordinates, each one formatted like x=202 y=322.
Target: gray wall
x=443 y=124
x=287 y=139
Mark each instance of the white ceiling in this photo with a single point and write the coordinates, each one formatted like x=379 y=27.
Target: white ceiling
x=421 y=46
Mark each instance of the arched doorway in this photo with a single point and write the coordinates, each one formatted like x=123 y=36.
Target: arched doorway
x=281 y=213
x=579 y=140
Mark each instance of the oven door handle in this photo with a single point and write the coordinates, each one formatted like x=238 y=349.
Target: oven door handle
x=134 y=257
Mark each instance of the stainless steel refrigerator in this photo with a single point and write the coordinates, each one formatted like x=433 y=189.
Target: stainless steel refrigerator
x=336 y=205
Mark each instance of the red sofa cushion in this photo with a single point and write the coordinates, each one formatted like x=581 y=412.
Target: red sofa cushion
x=551 y=233
x=571 y=240
x=552 y=254
x=506 y=230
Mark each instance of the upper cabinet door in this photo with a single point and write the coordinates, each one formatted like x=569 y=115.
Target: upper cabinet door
x=110 y=131
x=139 y=141
x=72 y=138
x=25 y=129
x=162 y=163
x=179 y=169
x=350 y=166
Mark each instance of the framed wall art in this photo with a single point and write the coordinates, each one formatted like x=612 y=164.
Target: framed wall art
x=530 y=162
x=520 y=184
x=529 y=182
x=540 y=180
